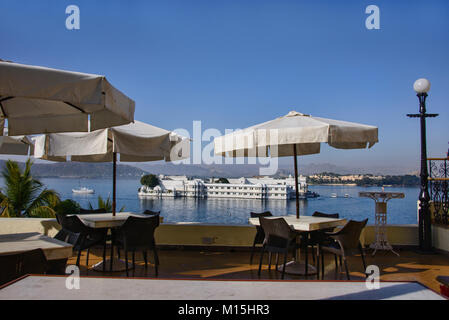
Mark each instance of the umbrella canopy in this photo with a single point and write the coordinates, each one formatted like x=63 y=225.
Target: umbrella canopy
x=295 y=134
x=135 y=142
x=43 y=100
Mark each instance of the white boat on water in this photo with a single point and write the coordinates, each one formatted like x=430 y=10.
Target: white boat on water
x=83 y=190
x=347 y=195
x=333 y=195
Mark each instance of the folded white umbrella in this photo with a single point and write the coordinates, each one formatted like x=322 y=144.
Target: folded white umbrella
x=295 y=134
x=42 y=100
x=135 y=142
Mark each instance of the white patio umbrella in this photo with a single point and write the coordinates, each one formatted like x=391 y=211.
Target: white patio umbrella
x=42 y=100
x=292 y=135
x=135 y=142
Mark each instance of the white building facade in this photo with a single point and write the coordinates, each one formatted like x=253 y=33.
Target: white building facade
x=245 y=188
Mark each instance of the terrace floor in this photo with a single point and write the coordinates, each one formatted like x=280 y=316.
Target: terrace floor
x=208 y=264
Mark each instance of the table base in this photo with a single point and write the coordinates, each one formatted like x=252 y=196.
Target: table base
x=297 y=268
x=118 y=265
x=382 y=246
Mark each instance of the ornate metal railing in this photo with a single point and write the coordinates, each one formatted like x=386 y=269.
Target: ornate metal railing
x=438 y=188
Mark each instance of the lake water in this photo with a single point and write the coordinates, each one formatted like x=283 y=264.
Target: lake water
x=236 y=211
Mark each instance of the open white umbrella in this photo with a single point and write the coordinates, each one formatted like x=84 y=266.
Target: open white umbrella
x=135 y=142
x=42 y=100
x=292 y=135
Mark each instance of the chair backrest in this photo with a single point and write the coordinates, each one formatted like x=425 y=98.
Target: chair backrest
x=67 y=236
x=71 y=223
x=92 y=211
x=325 y=215
x=349 y=235
x=139 y=231
x=277 y=232
x=149 y=212
x=262 y=214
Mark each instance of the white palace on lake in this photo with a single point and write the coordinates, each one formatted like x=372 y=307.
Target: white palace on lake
x=246 y=188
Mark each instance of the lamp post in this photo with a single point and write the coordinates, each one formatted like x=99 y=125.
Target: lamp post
x=422 y=86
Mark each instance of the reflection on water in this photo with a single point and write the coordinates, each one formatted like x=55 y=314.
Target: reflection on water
x=236 y=211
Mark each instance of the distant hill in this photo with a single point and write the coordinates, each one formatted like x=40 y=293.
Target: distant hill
x=81 y=170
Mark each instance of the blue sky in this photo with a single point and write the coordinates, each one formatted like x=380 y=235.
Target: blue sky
x=232 y=64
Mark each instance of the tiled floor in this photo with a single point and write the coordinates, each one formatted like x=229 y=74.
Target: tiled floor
x=197 y=264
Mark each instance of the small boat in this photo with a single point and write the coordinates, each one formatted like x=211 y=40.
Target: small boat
x=333 y=195
x=83 y=190
x=347 y=195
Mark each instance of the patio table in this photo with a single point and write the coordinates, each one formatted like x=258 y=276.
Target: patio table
x=108 y=220
x=303 y=224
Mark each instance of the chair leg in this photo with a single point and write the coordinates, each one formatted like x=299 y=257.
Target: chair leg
x=336 y=266
x=252 y=252
x=118 y=252
x=317 y=263
x=307 y=260
x=285 y=262
x=313 y=254
x=277 y=260
x=261 y=260
x=112 y=255
x=104 y=256
x=322 y=264
x=134 y=262
x=269 y=261
x=78 y=258
x=363 y=260
x=156 y=261
x=346 y=267
x=126 y=262
x=87 y=258
x=145 y=258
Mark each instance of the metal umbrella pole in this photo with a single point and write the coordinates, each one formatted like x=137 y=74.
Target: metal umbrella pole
x=114 y=182
x=296 y=180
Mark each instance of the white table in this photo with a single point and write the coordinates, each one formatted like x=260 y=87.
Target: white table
x=107 y=220
x=54 y=288
x=303 y=224
x=381 y=199
x=20 y=242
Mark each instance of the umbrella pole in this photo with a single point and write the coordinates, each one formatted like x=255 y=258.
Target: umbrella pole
x=114 y=182
x=296 y=180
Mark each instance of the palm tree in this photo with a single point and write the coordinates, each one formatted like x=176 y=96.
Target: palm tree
x=104 y=204
x=25 y=196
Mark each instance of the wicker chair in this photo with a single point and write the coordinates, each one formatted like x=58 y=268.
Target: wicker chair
x=279 y=238
x=346 y=243
x=81 y=236
x=260 y=235
x=318 y=237
x=137 y=234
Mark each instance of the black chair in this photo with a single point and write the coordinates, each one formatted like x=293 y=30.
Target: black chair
x=82 y=237
x=347 y=243
x=260 y=235
x=318 y=237
x=14 y=266
x=137 y=234
x=279 y=238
